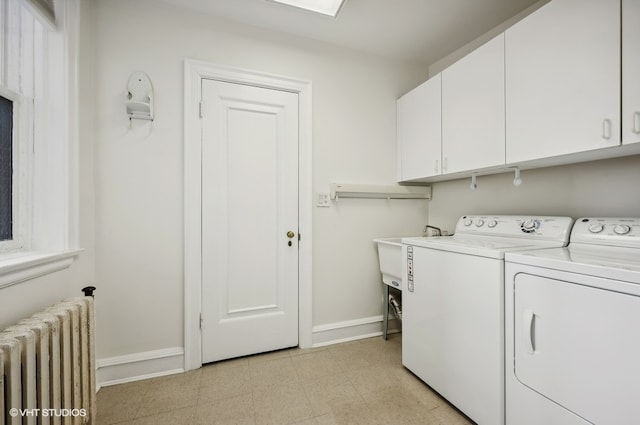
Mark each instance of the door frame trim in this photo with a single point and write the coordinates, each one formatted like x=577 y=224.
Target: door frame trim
x=194 y=72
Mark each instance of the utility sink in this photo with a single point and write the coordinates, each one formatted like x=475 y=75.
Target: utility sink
x=390 y=258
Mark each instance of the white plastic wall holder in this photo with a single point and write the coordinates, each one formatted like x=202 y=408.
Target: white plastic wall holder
x=139 y=97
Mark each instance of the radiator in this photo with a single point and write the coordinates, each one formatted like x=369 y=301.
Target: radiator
x=47 y=367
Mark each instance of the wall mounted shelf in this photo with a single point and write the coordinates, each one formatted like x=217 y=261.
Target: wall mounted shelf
x=341 y=190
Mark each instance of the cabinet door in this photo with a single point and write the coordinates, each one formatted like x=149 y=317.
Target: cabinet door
x=563 y=79
x=630 y=71
x=473 y=110
x=419 y=131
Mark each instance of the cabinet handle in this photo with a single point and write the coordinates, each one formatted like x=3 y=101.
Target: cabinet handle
x=436 y=167
x=636 y=122
x=528 y=321
x=445 y=164
x=606 y=129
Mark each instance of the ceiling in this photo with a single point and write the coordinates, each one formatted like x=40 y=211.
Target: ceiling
x=414 y=30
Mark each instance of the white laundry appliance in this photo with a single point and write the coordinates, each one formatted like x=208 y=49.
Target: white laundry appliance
x=573 y=328
x=453 y=306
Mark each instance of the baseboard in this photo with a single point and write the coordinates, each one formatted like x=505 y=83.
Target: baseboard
x=139 y=366
x=169 y=361
x=351 y=330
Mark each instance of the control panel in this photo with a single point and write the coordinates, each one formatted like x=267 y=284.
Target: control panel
x=543 y=227
x=615 y=231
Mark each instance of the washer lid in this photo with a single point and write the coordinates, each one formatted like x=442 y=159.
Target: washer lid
x=482 y=246
x=618 y=263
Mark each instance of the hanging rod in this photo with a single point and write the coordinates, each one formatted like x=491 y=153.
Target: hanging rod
x=341 y=190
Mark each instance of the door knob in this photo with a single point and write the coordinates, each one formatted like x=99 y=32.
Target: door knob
x=290 y=234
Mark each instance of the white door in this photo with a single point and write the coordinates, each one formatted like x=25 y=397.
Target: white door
x=249 y=220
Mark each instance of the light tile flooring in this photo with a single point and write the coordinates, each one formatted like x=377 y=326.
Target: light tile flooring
x=361 y=382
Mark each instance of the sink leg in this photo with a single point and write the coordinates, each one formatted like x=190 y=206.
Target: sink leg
x=385 y=315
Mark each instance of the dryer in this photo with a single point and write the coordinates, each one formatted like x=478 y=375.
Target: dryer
x=572 y=328
x=453 y=306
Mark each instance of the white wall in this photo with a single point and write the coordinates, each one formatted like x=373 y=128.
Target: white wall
x=599 y=188
x=139 y=172
x=23 y=299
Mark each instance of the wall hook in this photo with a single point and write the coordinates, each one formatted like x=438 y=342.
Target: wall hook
x=474 y=182
x=517 y=181
x=139 y=97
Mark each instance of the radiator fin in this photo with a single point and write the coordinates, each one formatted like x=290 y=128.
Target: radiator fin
x=47 y=362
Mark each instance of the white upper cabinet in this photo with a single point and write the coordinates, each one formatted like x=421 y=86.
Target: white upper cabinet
x=630 y=71
x=419 y=131
x=547 y=91
x=473 y=115
x=563 y=79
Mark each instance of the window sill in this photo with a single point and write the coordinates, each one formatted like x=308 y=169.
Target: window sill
x=18 y=267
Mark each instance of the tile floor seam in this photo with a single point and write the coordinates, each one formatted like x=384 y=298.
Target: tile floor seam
x=253 y=404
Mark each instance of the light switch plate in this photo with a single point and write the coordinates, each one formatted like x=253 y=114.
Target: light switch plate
x=322 y=200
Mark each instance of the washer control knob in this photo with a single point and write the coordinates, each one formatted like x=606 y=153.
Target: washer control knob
x=596 y=228
x=622 y=229
x=479 y=223
x=492 y=224
x=529 y=226
x=467 y=222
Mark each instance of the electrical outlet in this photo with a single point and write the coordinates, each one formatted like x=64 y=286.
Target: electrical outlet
x=322 y=200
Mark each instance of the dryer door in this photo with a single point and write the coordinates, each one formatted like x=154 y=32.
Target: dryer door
x=579 y=346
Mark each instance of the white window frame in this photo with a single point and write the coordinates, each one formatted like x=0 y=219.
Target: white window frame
x=45 y=142
x=20 y=190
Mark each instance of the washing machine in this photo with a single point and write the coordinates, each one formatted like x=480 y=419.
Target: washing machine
x=573 y=328
x=453 y=306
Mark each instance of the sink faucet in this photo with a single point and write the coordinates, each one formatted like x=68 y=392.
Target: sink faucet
x=437 y=229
